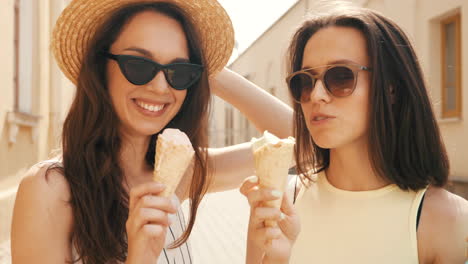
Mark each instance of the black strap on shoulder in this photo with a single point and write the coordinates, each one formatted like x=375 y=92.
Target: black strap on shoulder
x=419 y=211
x=295 y=190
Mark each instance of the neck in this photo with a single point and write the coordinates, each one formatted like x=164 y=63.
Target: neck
x=351 y=169
x=132 y=159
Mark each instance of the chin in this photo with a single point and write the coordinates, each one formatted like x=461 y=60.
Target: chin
x=149 y=131
x=146 y=130
x=325 y=141
x=324 y=145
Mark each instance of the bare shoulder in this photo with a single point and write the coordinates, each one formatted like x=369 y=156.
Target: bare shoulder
x=447 y=209
x=443 y=227
x=42 y=213
x=446 y=205
x=46 y=179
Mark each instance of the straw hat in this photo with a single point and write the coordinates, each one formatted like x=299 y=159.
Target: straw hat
x=79 y=21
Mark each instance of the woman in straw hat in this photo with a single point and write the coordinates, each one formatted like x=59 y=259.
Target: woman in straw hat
x=369 y=151
x=139 y=67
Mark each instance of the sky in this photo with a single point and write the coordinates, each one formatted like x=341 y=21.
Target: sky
x=251 y=18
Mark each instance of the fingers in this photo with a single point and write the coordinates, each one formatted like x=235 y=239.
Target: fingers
x=248 y=184
x=151 y=230
x=271 y=233
x=146 y=207
x=260 y=214
x=142 y=217
x=152 y=209
x=152 y=216
x=165 y=204
x=148 y=188
x=290 y=224
x=287 y=206
x=260 y=196
x=266 y=235
x=256 y=194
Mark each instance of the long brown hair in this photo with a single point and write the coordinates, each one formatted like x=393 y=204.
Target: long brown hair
x=91 y=144
x=405 y=146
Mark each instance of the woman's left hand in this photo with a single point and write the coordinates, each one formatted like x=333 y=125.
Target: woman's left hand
x=275 y=242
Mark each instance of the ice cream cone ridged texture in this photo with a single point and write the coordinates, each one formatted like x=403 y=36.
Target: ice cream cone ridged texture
x=273 y=156
x=174 y=153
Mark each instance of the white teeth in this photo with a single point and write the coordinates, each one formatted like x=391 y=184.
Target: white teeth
x=152 y=108
x=319 y=118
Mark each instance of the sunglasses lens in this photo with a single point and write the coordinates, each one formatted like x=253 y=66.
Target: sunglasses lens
x=181 y=76
x=138 y=71
x=300 y=86
x=340 y=81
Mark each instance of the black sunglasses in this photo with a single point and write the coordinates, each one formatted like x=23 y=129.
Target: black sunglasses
x=339 y=80
x=140 y=71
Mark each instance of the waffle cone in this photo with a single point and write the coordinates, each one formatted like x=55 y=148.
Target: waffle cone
x=272 y=162
x=171 y=162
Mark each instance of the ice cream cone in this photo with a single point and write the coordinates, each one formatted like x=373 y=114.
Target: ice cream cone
x=273 y=157
x=174 y=152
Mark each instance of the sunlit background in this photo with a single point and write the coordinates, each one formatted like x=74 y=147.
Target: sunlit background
x=35 y=96
x=251 y=18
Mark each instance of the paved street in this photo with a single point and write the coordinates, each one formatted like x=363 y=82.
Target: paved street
x=5 y=252
x=221 y=229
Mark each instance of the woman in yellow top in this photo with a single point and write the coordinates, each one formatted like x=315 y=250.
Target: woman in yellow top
x=366 y=129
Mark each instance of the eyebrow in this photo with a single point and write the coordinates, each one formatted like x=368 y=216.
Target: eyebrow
x=180 y=60
x=141 y=51
x=148 y=54
x=343 y=61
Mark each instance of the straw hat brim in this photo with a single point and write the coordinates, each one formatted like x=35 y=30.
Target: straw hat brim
x=79 y=21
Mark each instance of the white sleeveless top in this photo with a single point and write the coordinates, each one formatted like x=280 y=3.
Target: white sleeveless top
x=367 y=227
x=180 y=255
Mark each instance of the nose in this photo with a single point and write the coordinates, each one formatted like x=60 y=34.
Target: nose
x=159 y=83
x=319 y=93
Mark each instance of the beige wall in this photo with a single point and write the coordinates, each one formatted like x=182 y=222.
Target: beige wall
x=6 y=84
x=38 y=131
x=263 y=62
x=51 y=93
x=6 y=56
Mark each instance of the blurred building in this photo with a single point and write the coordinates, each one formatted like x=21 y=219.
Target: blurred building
x=437 y=29
x=34 y=96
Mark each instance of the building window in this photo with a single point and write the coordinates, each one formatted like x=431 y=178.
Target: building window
x=246 y=130
x=229 y=132
x=451 y=67
x=16 y=61
x=24 y=42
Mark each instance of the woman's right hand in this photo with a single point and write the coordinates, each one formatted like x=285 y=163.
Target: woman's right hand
x=147 y=222
x=271 y=244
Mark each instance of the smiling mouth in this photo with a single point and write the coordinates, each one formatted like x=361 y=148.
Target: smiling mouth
x=149 y=107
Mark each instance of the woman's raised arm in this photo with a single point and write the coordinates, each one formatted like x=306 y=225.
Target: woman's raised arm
x=264 y=110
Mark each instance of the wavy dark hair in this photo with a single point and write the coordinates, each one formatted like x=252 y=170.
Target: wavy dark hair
x=405 y=145
x=91 y=144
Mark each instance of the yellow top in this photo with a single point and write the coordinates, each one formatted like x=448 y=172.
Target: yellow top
x=368 y=227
